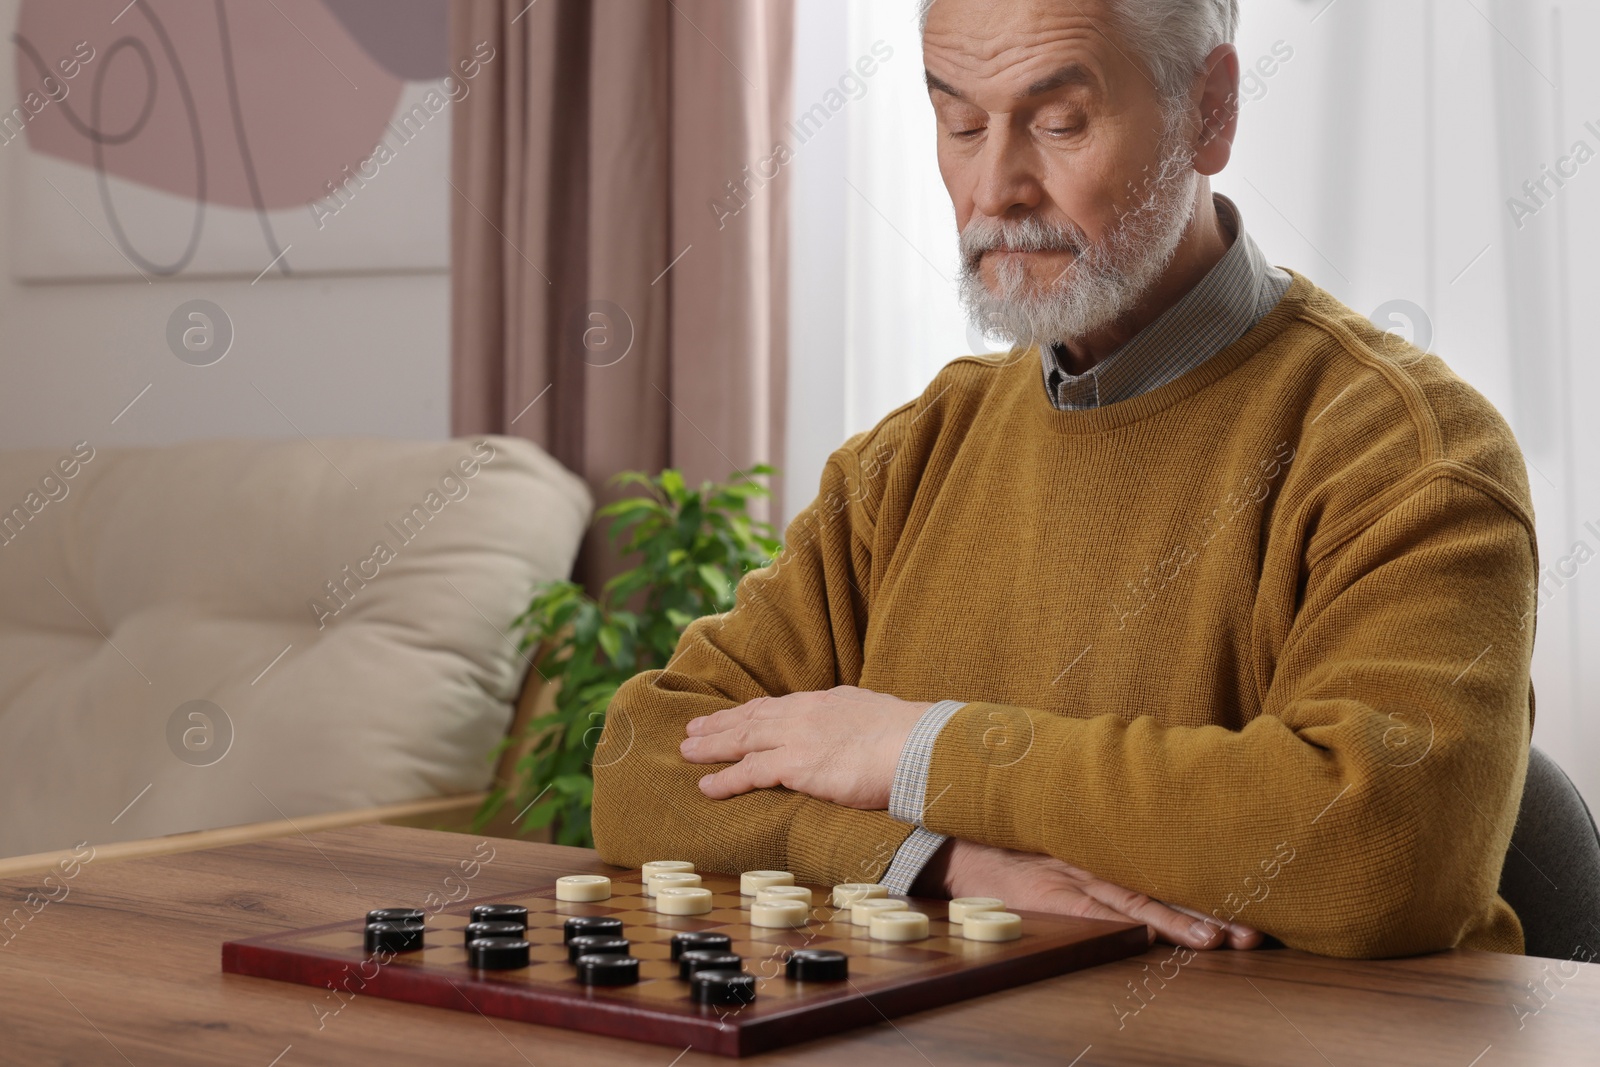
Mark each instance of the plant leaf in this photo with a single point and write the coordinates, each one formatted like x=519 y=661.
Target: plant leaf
x=718 y=581
x=611 y=642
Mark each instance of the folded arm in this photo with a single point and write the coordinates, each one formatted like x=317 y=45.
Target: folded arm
x=797 y=626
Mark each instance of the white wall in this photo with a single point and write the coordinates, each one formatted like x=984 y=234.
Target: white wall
x=344 y=355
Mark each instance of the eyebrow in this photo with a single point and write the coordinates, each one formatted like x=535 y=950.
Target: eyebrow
x=1071 y=74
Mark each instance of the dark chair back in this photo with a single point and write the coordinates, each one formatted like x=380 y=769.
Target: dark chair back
x=1551 y=876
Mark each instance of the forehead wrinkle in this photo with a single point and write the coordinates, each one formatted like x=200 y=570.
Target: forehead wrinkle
x=990 y=46
x=1029 y=58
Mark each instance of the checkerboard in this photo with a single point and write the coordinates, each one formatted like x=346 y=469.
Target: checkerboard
x=886 y=978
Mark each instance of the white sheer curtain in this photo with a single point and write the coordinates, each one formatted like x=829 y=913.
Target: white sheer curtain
x=1381 y=145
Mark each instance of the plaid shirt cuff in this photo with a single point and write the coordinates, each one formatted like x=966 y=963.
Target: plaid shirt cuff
x=910 y=786
x=913 y=855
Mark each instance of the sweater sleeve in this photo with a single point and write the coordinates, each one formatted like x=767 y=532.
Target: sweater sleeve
x=797 y=625
x=1366 y=810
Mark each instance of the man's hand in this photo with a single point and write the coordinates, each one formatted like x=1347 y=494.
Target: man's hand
x=840 y=745
x=1039 y=883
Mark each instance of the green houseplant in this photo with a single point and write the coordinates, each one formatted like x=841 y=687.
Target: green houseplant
x=693 y=545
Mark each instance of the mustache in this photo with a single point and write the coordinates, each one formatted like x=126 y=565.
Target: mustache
x=1032 y=234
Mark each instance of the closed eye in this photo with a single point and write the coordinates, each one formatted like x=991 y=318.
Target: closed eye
x=1063 y=131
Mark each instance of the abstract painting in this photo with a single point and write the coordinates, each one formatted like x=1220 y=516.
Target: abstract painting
x=232 y=137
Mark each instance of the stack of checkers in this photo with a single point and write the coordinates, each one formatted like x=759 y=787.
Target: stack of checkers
x=495 y=940
x=979 y=918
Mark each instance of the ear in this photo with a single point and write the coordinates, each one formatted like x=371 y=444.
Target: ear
x=1218 y=104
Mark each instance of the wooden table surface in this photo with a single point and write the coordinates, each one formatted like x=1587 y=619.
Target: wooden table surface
x=122 y=965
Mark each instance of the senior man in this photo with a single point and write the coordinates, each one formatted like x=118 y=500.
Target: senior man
x=1210 y=600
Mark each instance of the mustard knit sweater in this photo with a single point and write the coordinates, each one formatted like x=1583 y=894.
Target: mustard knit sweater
x=1256 y=642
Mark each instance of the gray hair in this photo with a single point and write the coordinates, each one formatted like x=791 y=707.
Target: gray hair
x=1173 y=37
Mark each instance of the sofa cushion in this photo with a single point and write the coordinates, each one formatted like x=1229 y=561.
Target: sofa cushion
x=234 y=631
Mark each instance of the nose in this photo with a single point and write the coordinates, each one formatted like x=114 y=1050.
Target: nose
x=1008 y=182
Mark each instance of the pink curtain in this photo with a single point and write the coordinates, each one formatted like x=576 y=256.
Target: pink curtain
x=619 y=235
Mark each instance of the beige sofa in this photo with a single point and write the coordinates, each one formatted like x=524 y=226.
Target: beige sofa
x=241 y=632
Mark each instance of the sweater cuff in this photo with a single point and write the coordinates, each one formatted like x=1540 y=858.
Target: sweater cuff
x=910 y=787
x=912 y=856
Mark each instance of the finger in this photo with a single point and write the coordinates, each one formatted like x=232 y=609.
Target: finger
x=736 y=742
x=1093 y=909
x=759 y=770
x=1170 y=924
x=717 y=720
x=1238 y=935
x=1192 y=933
x=1076 y=904
x=726 y=719
x=1248 y=939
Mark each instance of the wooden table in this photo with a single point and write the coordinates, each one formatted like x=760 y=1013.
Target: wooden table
x=123 y=967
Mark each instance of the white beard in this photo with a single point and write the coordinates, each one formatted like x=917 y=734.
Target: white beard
x=1105 y=279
